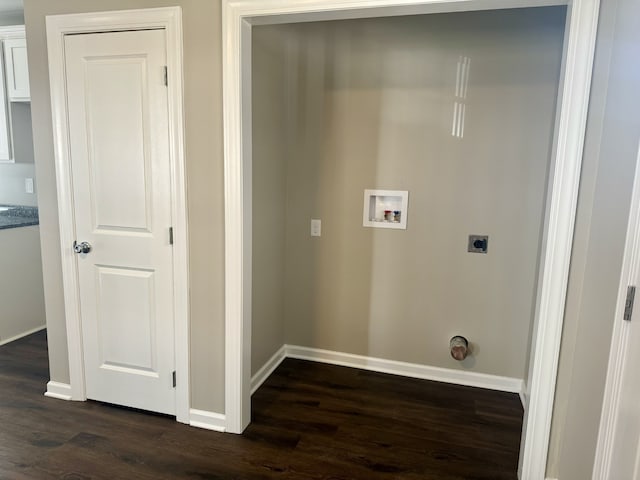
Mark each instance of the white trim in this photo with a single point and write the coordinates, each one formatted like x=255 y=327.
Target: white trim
x=207 y=420
x=394 y=367
x=237 y=195
x=523 y=396
x=12 y=31
x=582 y=16
x=169 y=19
x=267 y=369
x=268 y=12
x=582 y=20
x=412 y=370
x=179 y=215
x=22 y=335
x=61 y=391
x=620 y=339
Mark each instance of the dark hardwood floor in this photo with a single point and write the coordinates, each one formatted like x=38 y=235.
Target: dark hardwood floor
x=310 y=421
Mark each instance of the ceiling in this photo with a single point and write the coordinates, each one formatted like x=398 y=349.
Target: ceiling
x=10 y=5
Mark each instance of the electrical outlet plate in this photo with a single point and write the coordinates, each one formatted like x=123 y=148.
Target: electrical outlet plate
x=478 y=243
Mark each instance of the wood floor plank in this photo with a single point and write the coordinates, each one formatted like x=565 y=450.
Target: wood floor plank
x=310 y=422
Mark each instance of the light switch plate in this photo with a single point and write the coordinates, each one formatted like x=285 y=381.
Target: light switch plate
x=28 y=185
x=316 y=227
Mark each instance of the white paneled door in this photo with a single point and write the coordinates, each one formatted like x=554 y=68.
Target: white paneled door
x=618 y=450
x=120 y=168
x=625 y=453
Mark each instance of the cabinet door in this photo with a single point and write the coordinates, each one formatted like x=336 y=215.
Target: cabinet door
x=15 y=55
x=5 y=145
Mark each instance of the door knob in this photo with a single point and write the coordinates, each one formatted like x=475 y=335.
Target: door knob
x=84 y=247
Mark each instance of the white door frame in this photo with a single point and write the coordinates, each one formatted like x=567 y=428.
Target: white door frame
x=169 y=19
x=620 y=339
x=238 y=17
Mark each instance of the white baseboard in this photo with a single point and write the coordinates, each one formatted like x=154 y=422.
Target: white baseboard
x=61 y=391
x=207 y=420
x=413 y=370
x=23 y=334
x=197 y=418
x=523 y=396
x=268 y=368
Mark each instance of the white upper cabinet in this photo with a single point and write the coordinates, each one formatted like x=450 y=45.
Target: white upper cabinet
x=17 y=72
x=5 y=135
x=14 y=93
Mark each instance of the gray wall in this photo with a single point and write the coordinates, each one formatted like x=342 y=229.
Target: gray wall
x=21 y=287
x=372 y=108
x=12 y=175
x=270 y=147
x=203 y=111
x=11 y=18
x=21 y=296
x=609 y=165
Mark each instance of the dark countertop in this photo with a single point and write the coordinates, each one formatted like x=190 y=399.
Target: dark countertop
x=14 y=216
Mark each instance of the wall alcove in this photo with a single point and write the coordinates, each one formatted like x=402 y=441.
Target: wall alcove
x=564 y=150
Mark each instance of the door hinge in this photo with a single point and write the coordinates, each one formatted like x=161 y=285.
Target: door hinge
x=166 y=75
x=174 y=378
x=628 y=304
x=170 y=235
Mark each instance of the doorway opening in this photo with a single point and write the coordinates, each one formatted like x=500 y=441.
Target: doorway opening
x=559 y=208
x=153 y=143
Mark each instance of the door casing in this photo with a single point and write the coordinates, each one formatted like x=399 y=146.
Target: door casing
x=620 y=341
x=169 y=19
x=561 y=201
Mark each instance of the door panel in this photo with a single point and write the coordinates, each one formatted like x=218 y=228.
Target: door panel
x=118 y=157
x=118 y=121
x=126 y=303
